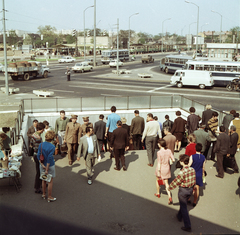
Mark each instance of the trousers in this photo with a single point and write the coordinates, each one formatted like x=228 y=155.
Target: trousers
x=183 y=195
x=72 y=149
x=150 y=146
x=119 y=155
x=137 y=144
x=90 y=161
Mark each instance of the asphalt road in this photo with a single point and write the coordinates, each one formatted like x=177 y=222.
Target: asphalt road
x=102 y=82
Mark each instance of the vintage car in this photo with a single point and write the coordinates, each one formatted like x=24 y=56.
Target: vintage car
x=113 y=63
x=90 y=61
x=82 y=67
x=66 y=59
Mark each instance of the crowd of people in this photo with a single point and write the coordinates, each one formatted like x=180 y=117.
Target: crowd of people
x=92 y=140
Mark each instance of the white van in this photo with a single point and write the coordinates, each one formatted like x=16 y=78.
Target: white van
x=192 y=78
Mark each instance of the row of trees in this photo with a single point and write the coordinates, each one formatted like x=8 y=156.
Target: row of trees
x=50 y=36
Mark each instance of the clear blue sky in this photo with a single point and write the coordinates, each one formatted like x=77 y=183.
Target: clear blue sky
x=68 y=14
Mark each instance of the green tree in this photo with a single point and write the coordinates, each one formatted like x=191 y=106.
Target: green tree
x=70 y=39
x=48 y=34
x=143 y=38
x=12 y=39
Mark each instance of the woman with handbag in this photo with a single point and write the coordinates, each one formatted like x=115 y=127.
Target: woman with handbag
x=47 y=165
x=163 y=171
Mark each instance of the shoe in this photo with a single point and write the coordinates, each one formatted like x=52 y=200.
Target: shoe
x=170 y=201
x=189 y=201
x=89 y=182
x=219 y=176
x=157 y=195
x=124 y=168
x=117 y=169
x=151 y=165
x=44 y=197
x=52 y=199
x=236 y=171
x=194 y=204
x=38 y=191
x=175 y=150
x=70 y=163
x=186 y=229
x=180 y=220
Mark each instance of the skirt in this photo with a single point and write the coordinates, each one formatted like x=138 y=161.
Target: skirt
x=51 y=170
x=178 y=135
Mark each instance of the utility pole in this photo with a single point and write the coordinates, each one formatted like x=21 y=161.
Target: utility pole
x=5 y=51
x=94 y=50
x=117 y=46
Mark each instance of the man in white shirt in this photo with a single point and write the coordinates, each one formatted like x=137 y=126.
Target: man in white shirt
x=151 y=129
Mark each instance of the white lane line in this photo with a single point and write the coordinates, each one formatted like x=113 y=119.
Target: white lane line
x=110 y=95
x=39 y=80
x=159 y=88
x=60 y=90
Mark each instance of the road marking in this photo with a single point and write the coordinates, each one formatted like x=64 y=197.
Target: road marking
x=159 y=88
x=39 y=80
x=61 y=90
x=110 y=95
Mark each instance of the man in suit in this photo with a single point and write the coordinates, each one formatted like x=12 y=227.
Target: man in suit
x=192 y=121
x=99 y=130
x=202 y=137
x=72 y=136
x=119 y=141
x=136 y=130
x=32 y=129
x=89 y=148
x=207 y=114
x=227 y=119
x=222 y=148
x=169 y=138
x=231 y=161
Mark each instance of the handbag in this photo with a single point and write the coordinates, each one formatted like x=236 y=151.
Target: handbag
x=30 y=151
x=41 y=155
x=160 y=181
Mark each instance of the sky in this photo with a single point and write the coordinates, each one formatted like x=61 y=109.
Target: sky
x=28 y=15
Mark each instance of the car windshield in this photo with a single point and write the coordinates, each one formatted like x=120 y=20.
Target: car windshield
x=78 y=64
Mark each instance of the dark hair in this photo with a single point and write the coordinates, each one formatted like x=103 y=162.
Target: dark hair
x=150 y=115
x=163 y=143
x=198 y=147
x=101 y=116
x=233 y=128
x=167 y=117
x=184 y=158
x=167 y=128
x=233 y=111
x=178 y=113
x=62 y=111
x=40 y=126
x=46 y=123
x=192 y=110
x=119 y=123
x=35 y=120
x=236 y=115
x=155 y=118
x=222 y=128
x=214 y=114
x=136 y=111
x=113 y=109
x=88 y=128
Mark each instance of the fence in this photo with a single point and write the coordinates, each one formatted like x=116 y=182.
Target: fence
x=85 y=104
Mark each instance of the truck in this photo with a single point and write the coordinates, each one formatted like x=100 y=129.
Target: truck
x=26 y=69
x=147 y=59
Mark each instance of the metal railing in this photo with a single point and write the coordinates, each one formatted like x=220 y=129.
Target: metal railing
x=85 y=104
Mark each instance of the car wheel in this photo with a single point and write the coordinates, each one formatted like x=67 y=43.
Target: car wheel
x=14 y=78
x=201 y=86
x=229 y=87
x=166 y=70
x=26 y=76
x=82 y=70
x=179 y=85
x=74 y=71
x=91 y=69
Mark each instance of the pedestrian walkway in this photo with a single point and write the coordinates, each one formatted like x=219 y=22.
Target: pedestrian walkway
x=117 y=202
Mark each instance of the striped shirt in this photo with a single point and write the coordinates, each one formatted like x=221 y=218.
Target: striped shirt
x=35 y=141
x=213 y=125
x=186 y=178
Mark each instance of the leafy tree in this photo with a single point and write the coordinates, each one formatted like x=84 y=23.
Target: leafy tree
x=48 y=34
x=143 y=38
x=70 y=39
x=12 y=39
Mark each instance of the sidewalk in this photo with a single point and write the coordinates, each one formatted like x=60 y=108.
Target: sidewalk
x=116 y=202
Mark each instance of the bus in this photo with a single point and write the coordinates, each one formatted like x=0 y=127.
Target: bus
x=108 y=55
x=222 y=71
x=171 y=63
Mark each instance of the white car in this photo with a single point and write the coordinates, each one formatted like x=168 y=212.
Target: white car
x=113 y=63
x=66 y=59
x=82 y=67
x=1 y=67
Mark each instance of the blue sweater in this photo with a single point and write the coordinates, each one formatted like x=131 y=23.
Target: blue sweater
x=112 y=121
x=48 y=150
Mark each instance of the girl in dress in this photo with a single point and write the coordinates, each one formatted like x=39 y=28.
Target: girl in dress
x=163 y=170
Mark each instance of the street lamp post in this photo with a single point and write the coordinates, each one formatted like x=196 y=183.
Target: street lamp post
x=189 y=32
x=162 y=32
x=84 y=30
x=220 y=25
x=197 y=23
x=129 y=35
x=204 y=25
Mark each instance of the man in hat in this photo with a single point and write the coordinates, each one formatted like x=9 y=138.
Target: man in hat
x=85 y=124
x=72 y=137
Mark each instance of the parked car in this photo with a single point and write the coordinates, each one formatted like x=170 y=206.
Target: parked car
x=113 y=63
x=1 y=67
x=66 y=59
x=90 y=61
x=82 y=67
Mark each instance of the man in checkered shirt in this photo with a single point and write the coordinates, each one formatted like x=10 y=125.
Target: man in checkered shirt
x=186 y=179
